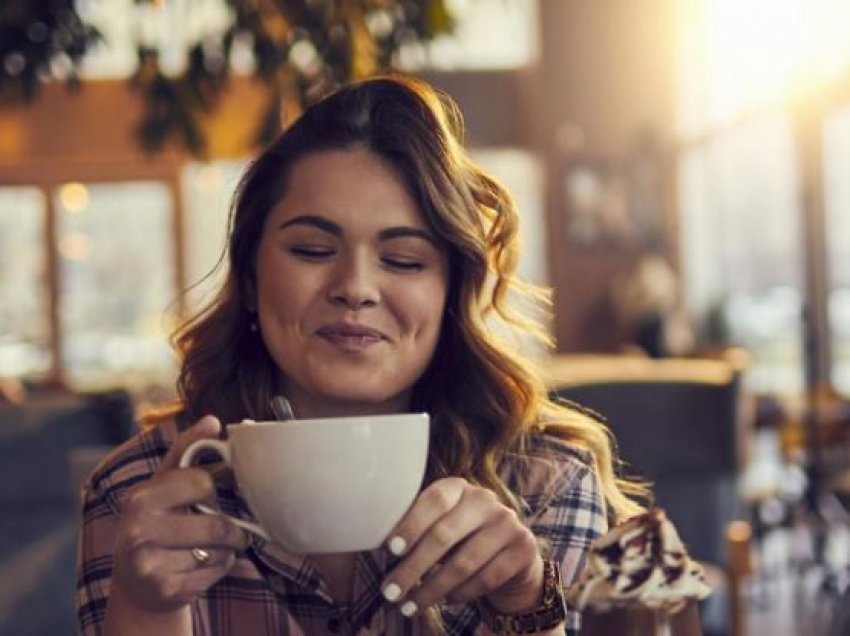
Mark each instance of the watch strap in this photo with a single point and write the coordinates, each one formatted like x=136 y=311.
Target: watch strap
x=550 y=613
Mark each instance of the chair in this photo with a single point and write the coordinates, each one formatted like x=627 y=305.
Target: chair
x=46 y=443
x=676 y=423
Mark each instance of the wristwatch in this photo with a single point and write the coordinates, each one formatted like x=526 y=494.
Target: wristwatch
x=550 y=613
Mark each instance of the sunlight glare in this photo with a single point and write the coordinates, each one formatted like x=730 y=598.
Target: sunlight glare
x=736 y=56
x=754 y=47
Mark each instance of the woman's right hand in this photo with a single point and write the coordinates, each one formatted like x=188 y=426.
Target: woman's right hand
x=154 y=570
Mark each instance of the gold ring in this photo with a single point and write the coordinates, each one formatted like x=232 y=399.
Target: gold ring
x=200 y=555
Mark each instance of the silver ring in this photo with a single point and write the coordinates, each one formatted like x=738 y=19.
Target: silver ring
x=200 y=555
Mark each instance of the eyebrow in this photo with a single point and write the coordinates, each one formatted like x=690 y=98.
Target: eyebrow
x=335 y=229
x=315 y=221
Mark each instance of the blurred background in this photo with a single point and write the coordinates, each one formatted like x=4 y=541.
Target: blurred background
x=682 y=168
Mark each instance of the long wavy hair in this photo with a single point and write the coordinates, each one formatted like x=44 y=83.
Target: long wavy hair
x=483 y=396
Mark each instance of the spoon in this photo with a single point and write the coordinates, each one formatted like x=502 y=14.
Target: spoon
x=282 y=408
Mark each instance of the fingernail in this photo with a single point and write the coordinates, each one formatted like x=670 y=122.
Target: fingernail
x=210 y=420
x=392 y=592
x=397 y=545
x=409 y=609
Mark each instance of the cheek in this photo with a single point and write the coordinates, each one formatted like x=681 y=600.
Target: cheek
x=281 y=292
x=281 y=307
x=426 y=307
x=269 y=293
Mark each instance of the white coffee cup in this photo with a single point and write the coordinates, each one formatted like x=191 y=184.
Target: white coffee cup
x=324 y=485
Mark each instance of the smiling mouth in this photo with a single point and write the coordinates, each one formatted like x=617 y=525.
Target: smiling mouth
x=350 y=337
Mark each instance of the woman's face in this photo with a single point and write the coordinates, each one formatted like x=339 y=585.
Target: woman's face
x=351 y=286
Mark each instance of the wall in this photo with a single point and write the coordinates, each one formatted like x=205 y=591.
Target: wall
x=96 y=124
x=606 y=75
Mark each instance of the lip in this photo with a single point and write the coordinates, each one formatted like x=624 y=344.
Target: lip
x=350 y=335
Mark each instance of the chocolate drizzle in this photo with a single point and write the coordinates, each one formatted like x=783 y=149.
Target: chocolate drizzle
x=641 y=562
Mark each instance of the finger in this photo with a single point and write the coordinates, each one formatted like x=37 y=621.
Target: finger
x=149 y=561
x=431 y=504
x=464 y=565
x=185 y=531
x=497 y=573
x=181 y=587
x=168 y=490
x=185 y=560
x=509 y=586
x=208 y=427
x=199 y=580
x=477 y=508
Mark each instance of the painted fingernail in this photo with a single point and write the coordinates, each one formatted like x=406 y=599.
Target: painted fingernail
x=409 y=609
x=397 y=545
x=392 y=592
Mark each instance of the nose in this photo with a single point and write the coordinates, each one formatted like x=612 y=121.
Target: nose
x=355 y=284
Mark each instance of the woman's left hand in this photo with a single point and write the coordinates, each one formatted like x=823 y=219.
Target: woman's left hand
x=460 y=543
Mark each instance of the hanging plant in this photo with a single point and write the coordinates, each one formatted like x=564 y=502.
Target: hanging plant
x=300 y=49
x=40 y=40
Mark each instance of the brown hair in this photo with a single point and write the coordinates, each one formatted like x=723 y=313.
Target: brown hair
x=482 y=396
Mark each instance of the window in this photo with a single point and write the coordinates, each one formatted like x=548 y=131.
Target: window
x=837 y=200
x=117 y=287
x=748 y=279
x=116 y=281
x=746 y=69
x=24 y=328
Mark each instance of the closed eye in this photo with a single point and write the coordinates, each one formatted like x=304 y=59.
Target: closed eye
x=403 y=265
x=312 y=253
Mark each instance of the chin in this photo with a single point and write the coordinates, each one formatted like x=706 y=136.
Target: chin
x=350 y=393
x=356 y=398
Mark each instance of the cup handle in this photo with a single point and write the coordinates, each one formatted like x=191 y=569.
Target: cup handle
x=223 y=449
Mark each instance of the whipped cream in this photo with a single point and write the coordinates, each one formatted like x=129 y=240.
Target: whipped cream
x=640 y=563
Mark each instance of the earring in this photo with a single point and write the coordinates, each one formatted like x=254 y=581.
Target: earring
x=252 y=327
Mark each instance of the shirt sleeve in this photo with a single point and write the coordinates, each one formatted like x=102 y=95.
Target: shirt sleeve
x=566 y=527
x=94 y=560
x=102 y=494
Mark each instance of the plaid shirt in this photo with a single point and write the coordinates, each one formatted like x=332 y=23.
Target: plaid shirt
x=271 y=591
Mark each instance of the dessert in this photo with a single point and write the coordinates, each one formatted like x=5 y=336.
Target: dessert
x=641 y=564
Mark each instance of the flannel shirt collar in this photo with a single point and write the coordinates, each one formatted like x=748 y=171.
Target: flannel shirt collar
x=300 y=571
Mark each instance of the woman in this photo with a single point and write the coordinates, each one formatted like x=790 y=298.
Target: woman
x=365 y=252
